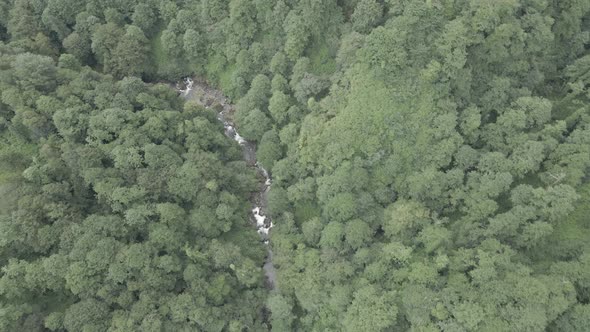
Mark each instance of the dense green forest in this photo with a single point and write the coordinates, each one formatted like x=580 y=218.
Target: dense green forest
x=430 y=163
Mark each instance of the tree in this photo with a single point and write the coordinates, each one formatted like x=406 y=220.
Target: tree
x=89 y=314
x=418 y=302
x=312 y=230
x=576 y=319
x=279 y=83
x=282 y=316
x=59 y=15
x=128 y=187
x=254 y=125
x=194 y=45
x=32 y=71
x=384 y=49
x=258 y=93
x=366 y=15
x=470 y=122
x=278 y=64
x=341 y=207
x=569 y=160
x=214 y=10
x=105 y=39
x=332 y=236
x=242 y=18
x=370 y=311
x=78 y=46
x=357 y=233
x=256 y=98
x=289 y=134
x=171 y=43
x=144 y=18
x=277 y=201
x=297 y=35
x=115 y=16
x=434 y=237
x=24 y=22
x=167 y=10
x=429 y=164
x=278 y=105
x=131 y=54
x=404 y=218
x=309 y=86
x=68 y=61
x=269 y=150
x=349 y=46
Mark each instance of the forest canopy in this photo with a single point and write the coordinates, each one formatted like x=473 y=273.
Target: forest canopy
x=430 y=164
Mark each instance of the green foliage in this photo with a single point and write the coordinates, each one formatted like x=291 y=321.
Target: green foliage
x=429 y=162
x=321 y=59
x=255 y=124
x=278 y=106
x=131 y=54
x=144 y=18
x=282 y=316
x=194 y=45
x=105 y=39
x=370 y=311
x=32 y=71
x=122 y=203
x=23 y=21
x=569 y=236
x=367 y=14
x=77 y=45
x=269 y=150
x=167 y=67
x=277 y=201
x=357 y=233
x=59 y=14
x=297 y=35
x=574 y=320
x=278 y=64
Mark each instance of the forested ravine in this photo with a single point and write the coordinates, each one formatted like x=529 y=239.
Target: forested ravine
x=199 y=91
x=430 y=165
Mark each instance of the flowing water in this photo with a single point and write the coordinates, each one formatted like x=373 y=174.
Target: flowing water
x=208 y=97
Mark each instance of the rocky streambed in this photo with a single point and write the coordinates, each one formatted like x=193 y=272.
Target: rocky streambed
x=205 y=95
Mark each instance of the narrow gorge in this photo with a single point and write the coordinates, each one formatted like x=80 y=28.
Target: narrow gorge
x=210 y=98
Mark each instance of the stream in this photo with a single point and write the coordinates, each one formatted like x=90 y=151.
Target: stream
x=209 y=97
